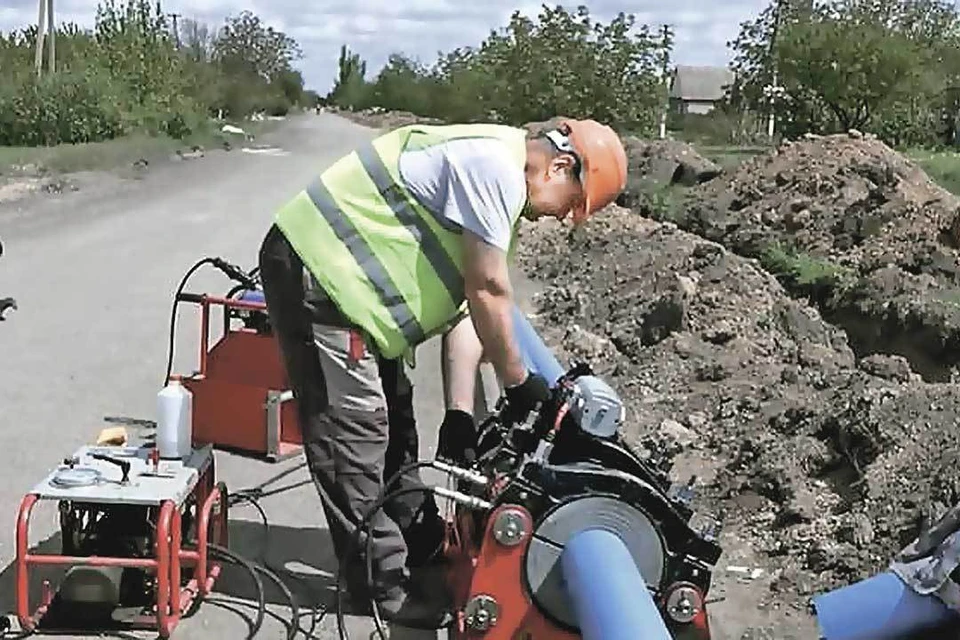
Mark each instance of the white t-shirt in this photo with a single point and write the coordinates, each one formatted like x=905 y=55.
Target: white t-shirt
x=471 y=184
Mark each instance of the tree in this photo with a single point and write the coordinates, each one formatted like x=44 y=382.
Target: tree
x=887 y=65
x=561 y=62
x=350 y=88
x=244 y=43
x=402 y=85
x=851 y=64
x=197 y=41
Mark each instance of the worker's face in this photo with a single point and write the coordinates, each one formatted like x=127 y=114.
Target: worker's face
x=553 y=188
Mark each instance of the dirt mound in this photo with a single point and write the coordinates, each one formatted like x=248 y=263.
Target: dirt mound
x=823 y=465
x=659 y=163
x=853 y=224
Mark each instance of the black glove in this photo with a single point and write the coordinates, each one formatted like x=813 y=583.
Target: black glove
x=524 y=397
x=458 y=437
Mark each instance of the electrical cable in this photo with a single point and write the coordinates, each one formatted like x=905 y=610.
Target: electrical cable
x=230 y=556
x=318 y=611
x=173 y=313
x=357 y=539
x=247 y=279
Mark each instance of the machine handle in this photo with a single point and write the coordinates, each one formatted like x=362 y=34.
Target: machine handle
x=232 y=303
x=123 y=464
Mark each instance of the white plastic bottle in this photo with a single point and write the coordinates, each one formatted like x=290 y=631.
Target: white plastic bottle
x=174 y=420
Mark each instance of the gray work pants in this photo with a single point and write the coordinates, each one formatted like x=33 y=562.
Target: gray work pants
x=356 y=414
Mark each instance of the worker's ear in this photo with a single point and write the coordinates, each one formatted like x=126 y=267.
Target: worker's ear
x=561 y=166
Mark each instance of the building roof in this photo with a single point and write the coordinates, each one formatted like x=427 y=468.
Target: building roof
x=700 y=83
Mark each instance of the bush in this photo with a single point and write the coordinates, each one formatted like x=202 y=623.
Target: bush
x=55 y=109
x=128 y=75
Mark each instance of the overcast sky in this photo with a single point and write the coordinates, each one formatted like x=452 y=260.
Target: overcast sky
x=421 y=28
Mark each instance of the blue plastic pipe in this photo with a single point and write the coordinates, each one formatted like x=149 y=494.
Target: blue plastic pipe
x=879 y=608
x=610 y=598
x=536 y=356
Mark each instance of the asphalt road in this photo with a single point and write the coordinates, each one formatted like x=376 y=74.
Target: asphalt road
x=94 y=272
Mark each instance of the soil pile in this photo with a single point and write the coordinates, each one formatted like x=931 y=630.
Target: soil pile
x=823 y=465
x=659 y=163
x=856 y=226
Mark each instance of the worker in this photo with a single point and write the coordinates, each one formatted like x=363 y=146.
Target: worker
x=391 y=245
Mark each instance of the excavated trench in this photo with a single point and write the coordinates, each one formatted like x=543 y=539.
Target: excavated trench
x=932 y=353
x=847 y=225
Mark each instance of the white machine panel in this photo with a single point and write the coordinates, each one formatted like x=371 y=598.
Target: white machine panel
x=93 y=480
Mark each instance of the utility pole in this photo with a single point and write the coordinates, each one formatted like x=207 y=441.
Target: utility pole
x=45 y=27
x=41 y=23
x=666 y=80
x=176 y=30
x=773 y=88
x=52 y=34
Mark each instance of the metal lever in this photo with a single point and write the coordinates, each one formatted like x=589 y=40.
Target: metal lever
x=123 y=464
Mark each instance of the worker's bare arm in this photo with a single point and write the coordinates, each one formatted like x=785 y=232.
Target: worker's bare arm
x=461 y=354
x=490 y=296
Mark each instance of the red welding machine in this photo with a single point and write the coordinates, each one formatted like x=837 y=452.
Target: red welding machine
x=241 y=398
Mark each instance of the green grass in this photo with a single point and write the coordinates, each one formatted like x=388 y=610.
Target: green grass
x=104 y=156
x=943 y=167
x=803 y=270
x=729 y=156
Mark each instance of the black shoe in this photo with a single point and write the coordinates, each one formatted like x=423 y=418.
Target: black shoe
x=425 y=541
x=417 y=604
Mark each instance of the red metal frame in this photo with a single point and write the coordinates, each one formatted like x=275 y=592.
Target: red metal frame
x=231 y=387
x=173 y=599
x=481 y=566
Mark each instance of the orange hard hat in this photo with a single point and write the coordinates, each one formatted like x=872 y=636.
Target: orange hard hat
x=603 y=163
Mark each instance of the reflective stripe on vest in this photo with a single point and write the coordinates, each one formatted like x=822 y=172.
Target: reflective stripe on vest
x=388 y=263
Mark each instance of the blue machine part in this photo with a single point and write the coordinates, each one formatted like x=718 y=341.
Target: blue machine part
x=879 y=608
x=610 y=597
x=251 y=295
x=536 y=356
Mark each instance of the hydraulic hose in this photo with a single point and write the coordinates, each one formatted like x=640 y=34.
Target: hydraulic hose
x=357 y=539
x=173 y=314
x=231 y=271
x=230 y=556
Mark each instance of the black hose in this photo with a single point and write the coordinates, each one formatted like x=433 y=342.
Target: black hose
x=173 y=314
x=354 y=546
x=252 y=277
x=317 y=611
x=230 y=556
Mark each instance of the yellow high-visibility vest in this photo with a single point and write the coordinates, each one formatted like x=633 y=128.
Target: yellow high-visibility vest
x=391 y=267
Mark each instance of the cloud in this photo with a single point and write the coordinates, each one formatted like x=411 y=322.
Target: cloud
x=422 y=28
